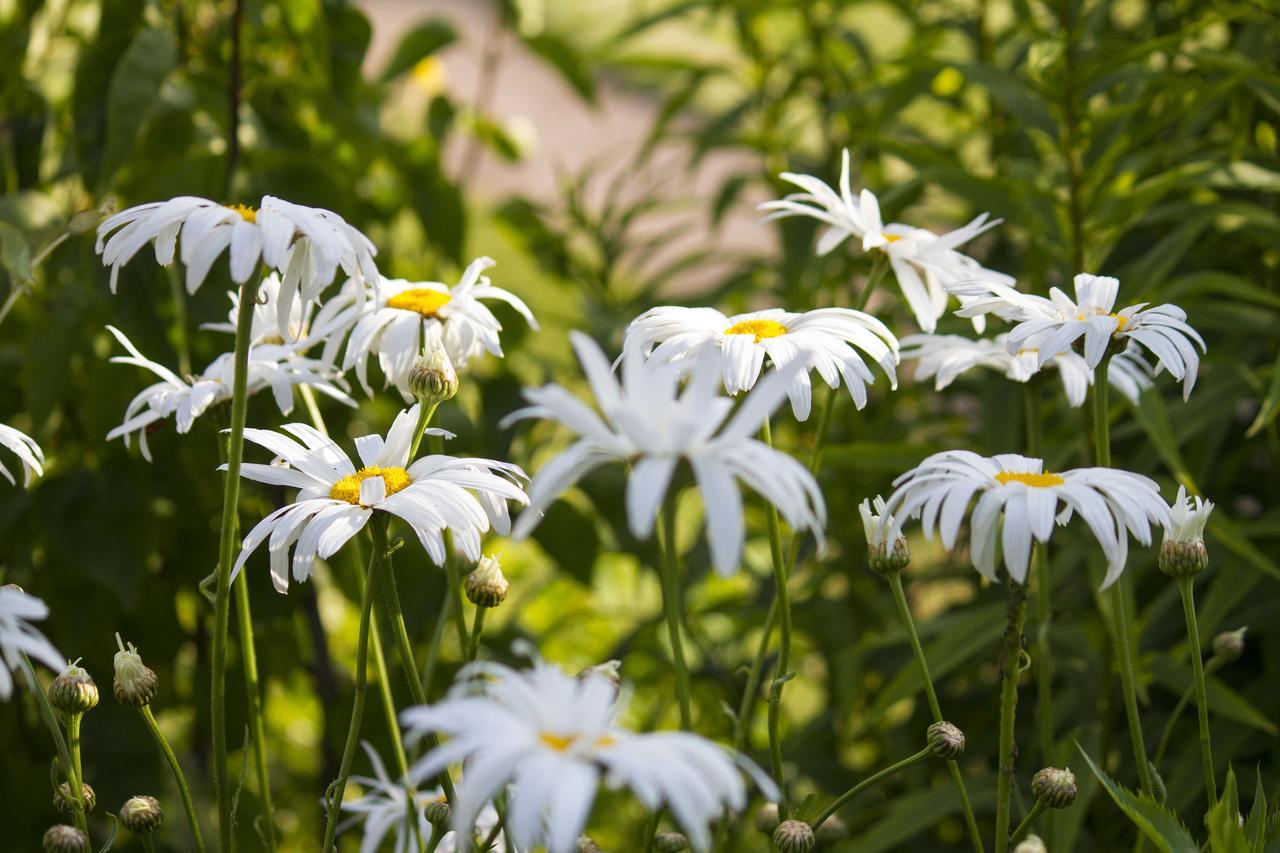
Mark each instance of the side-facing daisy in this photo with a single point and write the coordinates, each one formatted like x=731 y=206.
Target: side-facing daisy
x=941 y=487
x=27 y=451
x=335 y=499
x=652 y=423
x=399 y=315
x=306 y=245
x=1051 y=326
x=18 y=637
x=827 y=339
x=553 y=738
x=923 y=262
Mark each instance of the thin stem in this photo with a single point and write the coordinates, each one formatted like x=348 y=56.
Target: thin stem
x=1027 y=822
x=879 y=266
x=1044 y=592
x=433 y=651
x=780 y=582
x=227 y=547
x=50 y=718
x=187 y=803
x=752 y=689
x=1015 y=611
x=651 y=830
x=455 y=607
x=867 y=783
x=393 y=729
x=147 y=844
x=425 y=414
x=477 y=627
x=957 y=779
x=257 y=728
x=1185 y=587
x=1187 y=695
x=671 y=602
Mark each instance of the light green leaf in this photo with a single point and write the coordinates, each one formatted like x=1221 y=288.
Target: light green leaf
x=15 y=255
x=1270 y=404
x=1161 y=826
x=134 y=92
x=420 y=42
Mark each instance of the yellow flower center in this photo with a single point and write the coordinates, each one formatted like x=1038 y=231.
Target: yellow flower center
x=562 y=743
x=247 y=213
x=890 y=238
x=348 y=488
x=423 y=300
x=1121 y=322
x=760 y=328
x=1039 y=481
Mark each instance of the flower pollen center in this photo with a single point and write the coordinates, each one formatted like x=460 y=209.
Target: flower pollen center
x=1039 y=481
x=760 y=328
x=891 y=238
x=348 y=488
x=1121 y=321
x=247 y=213
x=422 y=300
x=563 y=743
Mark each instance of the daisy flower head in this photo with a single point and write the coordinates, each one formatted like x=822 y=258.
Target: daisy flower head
x=652 y=421
x=28 y=452
x=923 y=262
x=306 y=245
x=1051 y=326
x=828 y=340
x=876 y=522
x=277 y=368
x=1114 y=504
x=1183 y=552
x=552 y=739
x=335 y=499
x=400 y=315
x=19 y=637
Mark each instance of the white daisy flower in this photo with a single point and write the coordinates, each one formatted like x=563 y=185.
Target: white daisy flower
x=827 y=339
x=1188 y=516
x=18 y=637
x=273 y=367
x=27 y=451
x=399 y=315
x=305 y=327
x=923 y=262
x=651 y=423
x=946 y=357
x=940 y=488
x=1050 y=326
x=307 y=245
x=335 y=500
x=553 y=739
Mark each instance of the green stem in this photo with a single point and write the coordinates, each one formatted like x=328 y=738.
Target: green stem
x=147 y=844
x=879 y=266
x=867 y=783
x=752 y=689
x=1185 y=587
x=1187 y=695
x=1044 y=591
x=393 y=729
x=257 y=728
x=424 y=418
x=671 y=602
x=73 y=747
x=227 y=549
x=50 y=717
x=780 y=582
x=433 y=651
x=455 y=607
x=1027 y=822
x=651 y=830
x=434 y=841
x=1015 y=611
x=477 y=626
x=187 y=803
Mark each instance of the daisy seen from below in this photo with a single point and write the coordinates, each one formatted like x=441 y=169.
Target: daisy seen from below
x=306 y=245
x=1114 y=504
x=28 y=452
x=336 y=500
x=304 y=325
x=944 y=358
x=653 y=422
x=273 y=367
x=827 y=339
x=923 y=262
x=1051 y=326
x=551 y=739
x=19 y=637
x=398 y=317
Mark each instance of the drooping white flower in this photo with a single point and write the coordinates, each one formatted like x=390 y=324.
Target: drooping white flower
x=553 y=739
x=27 y=451
x=946 y=357
x=1188 y=516
x=1113 y=504
x=335 y=499
x=653 y=423
x=399 y=314
x=306 y=245
x=275 y=367
x=18 y=637
x=827 y=339
x=1051 y=326
x=923 y=262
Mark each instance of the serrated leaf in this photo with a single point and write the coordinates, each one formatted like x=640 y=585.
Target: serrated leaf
x=1161 y=826
x=1226 y=833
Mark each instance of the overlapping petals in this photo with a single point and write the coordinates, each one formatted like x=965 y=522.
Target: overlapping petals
x=28 y=452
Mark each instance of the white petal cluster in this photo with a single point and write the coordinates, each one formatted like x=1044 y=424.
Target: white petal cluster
x=335 y=500
x=1051 y=326
x=827 y=340
x=653 y=421
x=18 y=637
x=552 y=739
x=924 y=263
x=1114 y=504
x=27 y=451
x=1188 y=516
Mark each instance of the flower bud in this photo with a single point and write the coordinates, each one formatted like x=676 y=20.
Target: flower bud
x=609 y=671
x=833 y=829
x=1031 y=844
x=141 y=814
x=486 y=586
x=1183 y=555
x=794 y=836
x=1228 y=646
x=586 y=845
x=876 y=523
x=1183 y=559
x=135 y=684
x=65 y=839
x=12 y=586
x=432 y=379
x=66 y=804
x=886 y=562
x=1054 y=787
x=670 y=842
x=767 y=818
x=73 y=691
x=946 y=740
x=438 y=813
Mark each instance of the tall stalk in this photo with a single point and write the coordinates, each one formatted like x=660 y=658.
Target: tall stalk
x=867 y=783
x=50 y=717
x=781 y=576
x=1015 y=611
x=185 y=792
x=1044 y=590
x=673 y=605
x=1186 y=590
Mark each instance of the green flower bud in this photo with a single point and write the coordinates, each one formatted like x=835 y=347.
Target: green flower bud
x=438 y=813
x=65 y=839
x=1228 y=646
x=432 y=379
x=135 y=684
x=670 y=842
x=486 y=586
x=586 y=845
x=73 y=691
x=141 y=814
x=66 y=804
x=1180 y=559
x=794 y=836
x=1054 y=787
x=946 y=740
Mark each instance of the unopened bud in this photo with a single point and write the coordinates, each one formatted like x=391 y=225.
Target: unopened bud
x=135 y=684
x=946 y=740
x=670 y=842
x=1228 y=646
x=141 y=814
x=66 y=804
x=486 y=586
x=73 y=691
x=586 y=845
x=1054 y=787
x=609 y=671
x=886 y=562
x=794 y=836
x=1031 y=844
x=438 y=813
x=65 y=839
x=1180 y=559
x=432 y=379
x=832 y=829
x=767 y=818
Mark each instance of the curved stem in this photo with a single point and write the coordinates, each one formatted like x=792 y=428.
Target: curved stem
x=433 y=651
x=1187 y=591
x=50 y=718
x=867 y=783
x=477 y=627
x=1015 y=610
x=780 y=582
x=671 y=602
x=187 y=803
x=1027 y=822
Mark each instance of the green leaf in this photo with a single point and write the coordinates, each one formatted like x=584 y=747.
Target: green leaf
x=134 y=93
x=420 y=42
x=1226 y=834
x=1256 y=827
x=15 y=255
x=571 y=64
x=1270 y=404
x=1161 y=826
x=1223 y=701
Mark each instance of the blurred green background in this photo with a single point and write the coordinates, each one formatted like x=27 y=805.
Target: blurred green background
x=609 y=155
